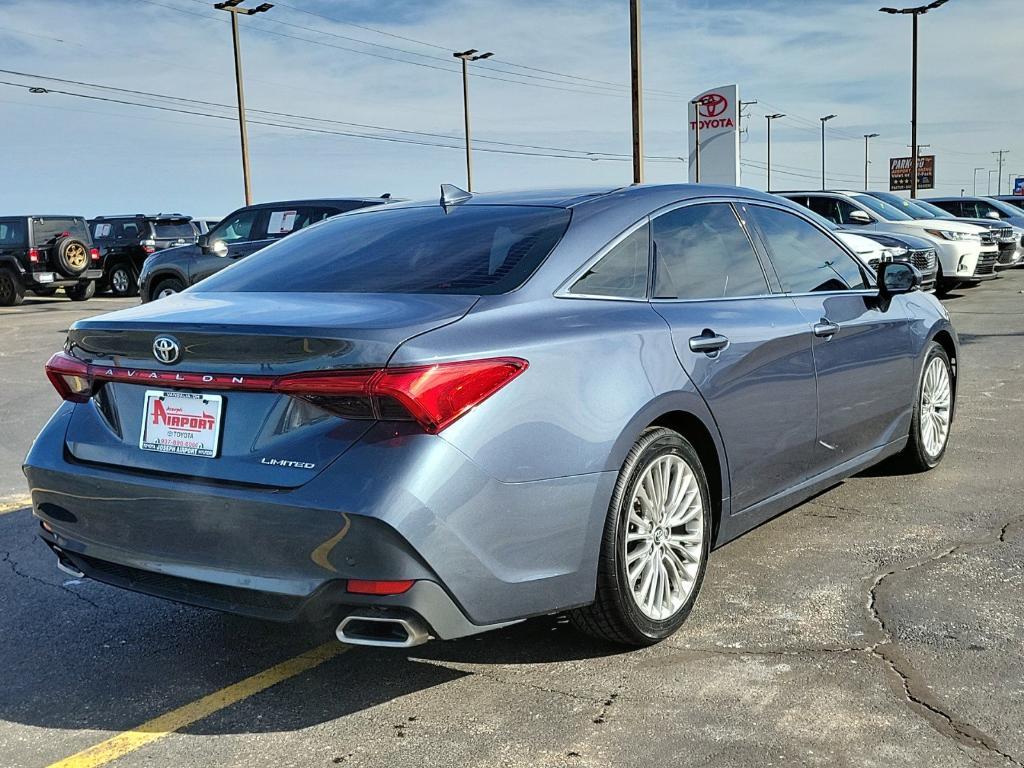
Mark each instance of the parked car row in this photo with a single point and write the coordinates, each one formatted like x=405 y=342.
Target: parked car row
x=973 y=238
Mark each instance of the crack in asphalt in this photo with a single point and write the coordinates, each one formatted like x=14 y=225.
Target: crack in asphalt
x=915 y=690
x=5 y=557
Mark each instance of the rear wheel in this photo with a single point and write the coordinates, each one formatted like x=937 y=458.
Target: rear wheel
x=122 y=281
x=933 y=413
x=11 y=289
x=81 y=291
x=167 y=287
x=655 y=546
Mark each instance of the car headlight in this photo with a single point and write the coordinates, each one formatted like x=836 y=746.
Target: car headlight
x=897 y=251
x=945 y=234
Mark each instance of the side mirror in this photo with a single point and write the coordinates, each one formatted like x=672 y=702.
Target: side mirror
x=859 y=217
x=993 y=215
x=203 y=241
x=896 y=277
x=219 y=248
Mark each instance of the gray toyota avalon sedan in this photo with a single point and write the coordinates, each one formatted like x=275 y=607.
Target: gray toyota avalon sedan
x=433 y=419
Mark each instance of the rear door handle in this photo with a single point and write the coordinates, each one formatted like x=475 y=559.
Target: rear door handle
x=708 y=342
x=826 y=328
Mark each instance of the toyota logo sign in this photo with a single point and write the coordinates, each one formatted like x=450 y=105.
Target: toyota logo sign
x=166 y=349
x=713 y=104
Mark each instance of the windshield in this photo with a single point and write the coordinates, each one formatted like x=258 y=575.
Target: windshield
x=882 y=208
x=173 y=229
x=913 y=208
x=934 y=210
x=1005 y=207
x=471 y=249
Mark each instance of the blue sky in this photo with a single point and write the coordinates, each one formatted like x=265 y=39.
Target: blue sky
x=68 y=154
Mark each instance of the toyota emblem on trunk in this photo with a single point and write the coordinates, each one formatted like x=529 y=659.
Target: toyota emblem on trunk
x=166 y=349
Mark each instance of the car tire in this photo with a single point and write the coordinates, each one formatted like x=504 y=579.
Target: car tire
x=11 y=289
x=71 y=256
x=643 y=596
x=167 y=287
x=933 y=412
x=121 y=281
x=81 y=291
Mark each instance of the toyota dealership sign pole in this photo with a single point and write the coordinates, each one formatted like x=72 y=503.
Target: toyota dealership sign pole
x=714 y=136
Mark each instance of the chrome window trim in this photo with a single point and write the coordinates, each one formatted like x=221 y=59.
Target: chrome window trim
x=563 y=290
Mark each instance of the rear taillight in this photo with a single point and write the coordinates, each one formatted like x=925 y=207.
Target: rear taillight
x=94 y=254
x=33 y=255
x=432 y=395
x=149 y=246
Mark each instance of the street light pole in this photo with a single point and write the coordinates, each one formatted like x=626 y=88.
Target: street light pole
x=824 y=120
x=867 y=162
x=976 y=180
x=232 y=7
x=989 y=189
x=636 y=84
x=914 y=12
x=768 y=164
x=999 y=178
x=467 y=56
x=696 y=140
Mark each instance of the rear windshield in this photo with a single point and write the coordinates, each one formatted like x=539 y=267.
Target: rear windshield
x=472 y=249
x=173 y=229
x=45 y=230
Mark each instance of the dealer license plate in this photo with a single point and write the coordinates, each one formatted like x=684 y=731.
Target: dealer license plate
x=181 y=422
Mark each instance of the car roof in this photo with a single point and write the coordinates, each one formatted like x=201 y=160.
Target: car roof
x=323 y=201
x=110 y=216
x=575 y=197
x=43 y=216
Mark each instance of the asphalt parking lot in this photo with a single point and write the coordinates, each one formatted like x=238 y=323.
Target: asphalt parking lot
x=880 y=624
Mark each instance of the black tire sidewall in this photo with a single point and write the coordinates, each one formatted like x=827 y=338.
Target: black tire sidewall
x=664 y=442
x=167 y=282
x=112 y=286
x=11 y=289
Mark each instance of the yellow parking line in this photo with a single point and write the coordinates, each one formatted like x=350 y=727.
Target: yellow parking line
x=13 y=505
x=157 y=728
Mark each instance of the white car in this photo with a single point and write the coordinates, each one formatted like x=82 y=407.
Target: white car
x=963 y=257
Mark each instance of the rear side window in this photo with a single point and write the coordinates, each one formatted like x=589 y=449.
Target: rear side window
x=702 y=252
x=102 y=230
x=45 y=230
x=167 y=229
x=622 y=272
x=12 y=234
x=472 y=249
x=805 y=259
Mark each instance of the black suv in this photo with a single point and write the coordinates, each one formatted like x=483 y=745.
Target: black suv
x=127 y=241
x=43 y=253
x=239 y=234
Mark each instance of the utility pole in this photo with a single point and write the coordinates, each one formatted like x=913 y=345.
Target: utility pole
x=999 y=178
x=824 y=120
x=976 y=180
x=914 y=12
x=232 y=7
x=467 y=56
x=867 y=162
x=636 y=83
x=768 y=164
x=696 y=139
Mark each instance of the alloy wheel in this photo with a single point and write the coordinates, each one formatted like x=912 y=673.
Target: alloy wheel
x=664 y=538
x=936 y=397
x=119 y=281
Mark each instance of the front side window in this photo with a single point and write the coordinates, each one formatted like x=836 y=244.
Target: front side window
x=825 y=207
x=468 y=249
x=238 y=227
x=805 y=258
x=622 y=272
x=702 y=252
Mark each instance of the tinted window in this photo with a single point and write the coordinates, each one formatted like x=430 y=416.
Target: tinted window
x=47 y=229
x=702 y=252
x=622 y=272
x=985 y=209
x=237 y=227
x=882 y=208
x=12 y=233
x=174 y=229
x=101 y=230
x=285 y=221
x=471 y=249
x=950 y=206
x=825 y=207
x=132 y=230
x=804 y=257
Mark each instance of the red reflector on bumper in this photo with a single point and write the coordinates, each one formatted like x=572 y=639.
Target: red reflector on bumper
x=366 y=587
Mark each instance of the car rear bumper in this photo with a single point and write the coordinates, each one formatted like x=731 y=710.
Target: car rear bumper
x=57 y=280
x=483 y=552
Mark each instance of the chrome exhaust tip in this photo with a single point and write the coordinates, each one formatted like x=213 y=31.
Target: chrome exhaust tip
x=382 y=632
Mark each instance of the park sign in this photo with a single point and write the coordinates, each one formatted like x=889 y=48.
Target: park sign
x=899 y=172
x=714 y=118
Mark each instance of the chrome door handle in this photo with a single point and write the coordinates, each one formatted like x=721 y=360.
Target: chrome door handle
x=826 y=328
x=708 y=342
